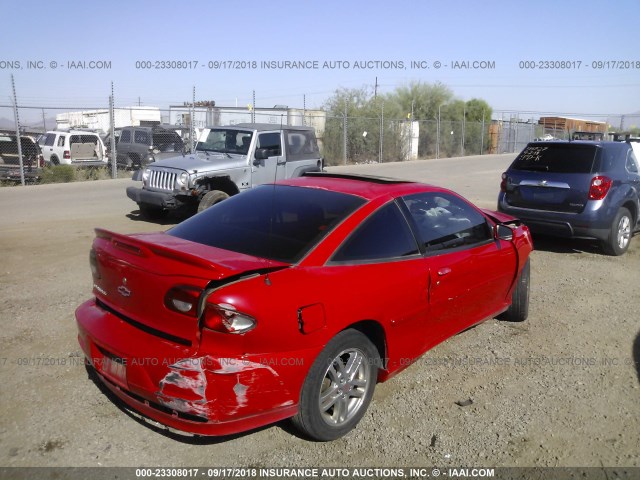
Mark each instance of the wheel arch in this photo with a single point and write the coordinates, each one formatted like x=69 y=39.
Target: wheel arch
x=224 y=184
x=376 y=334
x=633 y=210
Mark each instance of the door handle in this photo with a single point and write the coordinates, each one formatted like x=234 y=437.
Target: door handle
x=444 y=271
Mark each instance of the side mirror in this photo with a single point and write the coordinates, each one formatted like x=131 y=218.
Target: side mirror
x=503 y=232
x=261 y=154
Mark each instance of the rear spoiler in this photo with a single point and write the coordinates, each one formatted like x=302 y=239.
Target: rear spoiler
x=501 y=218
x=141 y=248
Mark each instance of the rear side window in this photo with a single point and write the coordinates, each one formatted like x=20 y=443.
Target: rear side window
x=556 y=158
x=301 y=145
x=384 y=235
x=632 y=162
x=140 y=136
x=61 y=140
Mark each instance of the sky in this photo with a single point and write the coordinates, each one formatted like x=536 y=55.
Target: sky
x=578 y=58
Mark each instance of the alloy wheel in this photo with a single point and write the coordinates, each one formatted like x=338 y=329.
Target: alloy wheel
x=344 y=387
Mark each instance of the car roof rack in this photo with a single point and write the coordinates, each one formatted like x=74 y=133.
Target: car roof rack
x=354 y=176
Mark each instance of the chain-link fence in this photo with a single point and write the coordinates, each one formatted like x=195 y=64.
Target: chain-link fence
x=342 y=139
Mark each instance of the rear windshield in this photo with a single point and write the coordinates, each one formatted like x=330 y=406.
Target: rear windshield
x=556 y=158
x=276 y=222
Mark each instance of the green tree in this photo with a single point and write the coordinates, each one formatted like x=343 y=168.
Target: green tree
x=428 y=103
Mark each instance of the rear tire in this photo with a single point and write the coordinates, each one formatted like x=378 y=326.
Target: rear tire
x=338 y=388
x=211 y=198
x=620 y=233
x=54 y=160
x=518 y=311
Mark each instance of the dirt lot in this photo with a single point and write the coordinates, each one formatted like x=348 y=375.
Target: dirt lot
x=561 y=389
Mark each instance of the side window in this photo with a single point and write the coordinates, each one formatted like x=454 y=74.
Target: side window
x=445 y=221
x=51 y=138
x=141 y=136
x=270 y=141
x=632 y=162
x=301 y=145
x=61 y=140
x=125 y=136
x=384 y=235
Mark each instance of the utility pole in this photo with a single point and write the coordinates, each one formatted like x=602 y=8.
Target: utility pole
x=482 y=135
x=375 y=90
x=438 y=133
x=17 y=120
x=253 y=109
x=344 y=134
x=112 y=141
x=464 y=117
x=191 y=124
x=381 y=133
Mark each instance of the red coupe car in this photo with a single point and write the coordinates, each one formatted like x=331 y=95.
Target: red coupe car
x=294 y=300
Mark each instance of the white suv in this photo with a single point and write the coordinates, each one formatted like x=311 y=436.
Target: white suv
x=73 y=147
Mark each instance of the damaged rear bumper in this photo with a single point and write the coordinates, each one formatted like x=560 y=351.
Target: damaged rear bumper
x=183 y=388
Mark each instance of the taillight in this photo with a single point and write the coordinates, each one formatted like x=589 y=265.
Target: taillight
x=93 y=261
x=183 y=299
x=503 y=183
x=600 y=185
x=225 y=318
x=40 y=161
x=66 y=154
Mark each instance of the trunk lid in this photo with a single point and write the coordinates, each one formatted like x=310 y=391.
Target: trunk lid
x=134 y=273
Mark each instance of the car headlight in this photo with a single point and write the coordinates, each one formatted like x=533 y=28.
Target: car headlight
x=182 y=182
x=145 y=176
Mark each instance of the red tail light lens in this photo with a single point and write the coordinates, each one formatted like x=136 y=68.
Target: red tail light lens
x=225 y=318
x=599 y=188
x=40 y=161
x=503 y=183
x=183 y=299
x=66 y=154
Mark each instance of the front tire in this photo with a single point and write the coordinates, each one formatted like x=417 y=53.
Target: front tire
x=211 y=198
x=518 y=311
x=339 y=387
x=620 y=234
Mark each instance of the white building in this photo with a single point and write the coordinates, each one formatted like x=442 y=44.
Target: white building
x=99 y=119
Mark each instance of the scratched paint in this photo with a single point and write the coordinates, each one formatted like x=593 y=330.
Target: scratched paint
x=187 y=375
x=236 y=365
x=184 y=387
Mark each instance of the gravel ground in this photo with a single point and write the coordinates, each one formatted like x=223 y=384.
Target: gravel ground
x=561 y=389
